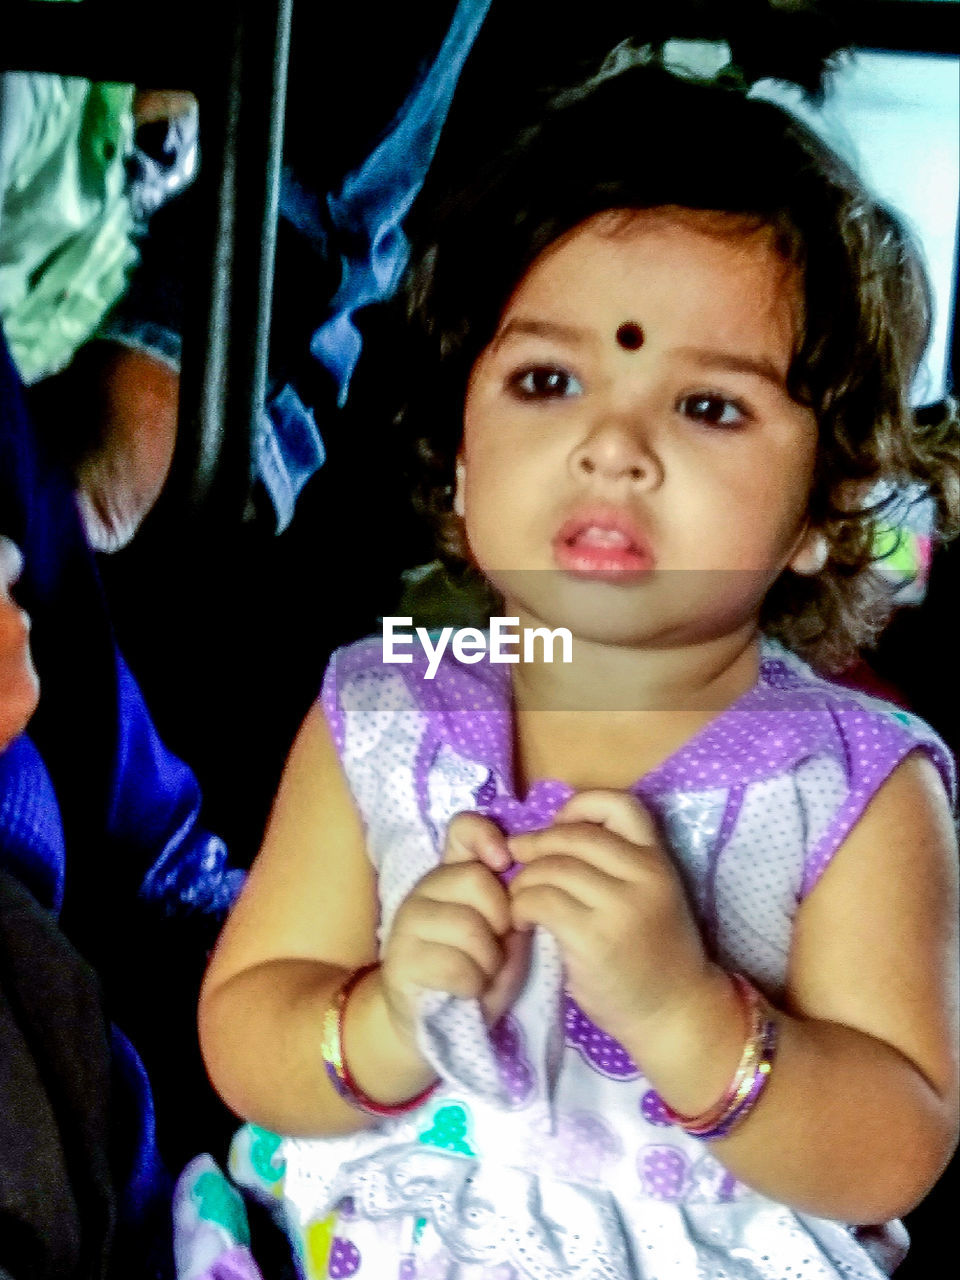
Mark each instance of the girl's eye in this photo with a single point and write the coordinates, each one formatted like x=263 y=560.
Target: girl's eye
x=544 y=382
x=713 y=410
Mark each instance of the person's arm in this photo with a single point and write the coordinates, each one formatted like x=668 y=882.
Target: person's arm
x=305 y=920
x=860 y=1113
x=19 y=689
x=863 y=1098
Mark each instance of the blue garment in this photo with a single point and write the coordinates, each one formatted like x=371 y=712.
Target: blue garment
x=31 y=833
x=362 y=223
x=369 y=209
x=287 y=451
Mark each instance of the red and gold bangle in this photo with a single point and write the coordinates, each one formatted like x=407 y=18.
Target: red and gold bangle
x=750 y=1078
x=331 y=1050
x=749 y=1097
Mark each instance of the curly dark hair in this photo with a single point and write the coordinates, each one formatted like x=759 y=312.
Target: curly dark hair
x=645 y=138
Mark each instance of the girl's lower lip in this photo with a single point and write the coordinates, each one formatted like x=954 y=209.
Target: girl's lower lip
x=609 y=564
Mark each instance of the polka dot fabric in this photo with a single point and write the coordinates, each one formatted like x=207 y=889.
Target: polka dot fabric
x=556 y=1124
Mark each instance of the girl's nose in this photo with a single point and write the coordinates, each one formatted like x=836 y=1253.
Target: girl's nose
x=615 y=451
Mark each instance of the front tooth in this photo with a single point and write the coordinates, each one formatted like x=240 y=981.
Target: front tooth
x=603 y=537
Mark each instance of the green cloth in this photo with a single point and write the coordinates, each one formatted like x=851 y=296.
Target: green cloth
x=66 y=230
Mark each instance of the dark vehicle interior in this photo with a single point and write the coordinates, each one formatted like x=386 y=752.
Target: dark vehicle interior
x=239 y=582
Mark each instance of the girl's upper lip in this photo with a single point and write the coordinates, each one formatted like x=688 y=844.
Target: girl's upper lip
x=612 y=519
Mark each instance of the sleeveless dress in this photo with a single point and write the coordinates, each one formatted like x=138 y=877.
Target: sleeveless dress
x=544 y=1154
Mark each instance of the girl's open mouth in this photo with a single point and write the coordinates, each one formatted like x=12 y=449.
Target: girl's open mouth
x=602 y=544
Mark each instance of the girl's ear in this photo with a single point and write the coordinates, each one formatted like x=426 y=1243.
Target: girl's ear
x=810 y=554
x=459 y=507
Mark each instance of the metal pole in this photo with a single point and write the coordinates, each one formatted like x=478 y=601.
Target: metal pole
x=223 y=391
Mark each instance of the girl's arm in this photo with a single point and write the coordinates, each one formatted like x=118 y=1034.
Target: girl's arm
x=869 y=1053
x=307 y=918
x=860 y=1113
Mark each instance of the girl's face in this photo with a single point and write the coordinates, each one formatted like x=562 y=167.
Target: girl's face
x=632 y=465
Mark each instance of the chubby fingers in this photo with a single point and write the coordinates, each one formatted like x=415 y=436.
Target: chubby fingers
x=601 y=853
x=618 y=811
x=506 y=985
x=465 y=887
x=461 y=904
x=618 y=851
x=567 y=870
x=473 y=838
x=449 y=933
x=467 y=968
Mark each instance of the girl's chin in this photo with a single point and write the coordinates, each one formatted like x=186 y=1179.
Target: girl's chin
x=596 y=612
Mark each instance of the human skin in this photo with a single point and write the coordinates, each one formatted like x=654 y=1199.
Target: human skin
x=688 y=454
x=19 y=687
x=120 y=479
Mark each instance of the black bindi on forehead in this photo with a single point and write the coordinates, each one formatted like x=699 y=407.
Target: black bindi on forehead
x=630 y=336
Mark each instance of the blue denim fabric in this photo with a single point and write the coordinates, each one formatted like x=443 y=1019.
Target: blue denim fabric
x=287 y=451
x=365 y=220
x=369 y=209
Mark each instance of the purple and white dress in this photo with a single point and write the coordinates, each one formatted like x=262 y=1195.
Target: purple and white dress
x=544 y=1154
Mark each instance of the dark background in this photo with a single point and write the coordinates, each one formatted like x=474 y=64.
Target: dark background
x=227 y=625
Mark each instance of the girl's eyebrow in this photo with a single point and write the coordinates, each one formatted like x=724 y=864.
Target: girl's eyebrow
x=521 y=326
x=733 y=362
x=706 y=357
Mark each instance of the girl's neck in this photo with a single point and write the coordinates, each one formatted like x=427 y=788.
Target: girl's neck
x=614 y=713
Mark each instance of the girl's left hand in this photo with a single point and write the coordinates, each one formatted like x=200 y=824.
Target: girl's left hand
x=601 y=883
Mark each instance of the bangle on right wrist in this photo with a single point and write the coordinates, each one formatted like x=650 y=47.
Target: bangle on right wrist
x=331 y=1050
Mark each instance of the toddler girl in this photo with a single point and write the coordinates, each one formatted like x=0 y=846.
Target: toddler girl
x=641 y=965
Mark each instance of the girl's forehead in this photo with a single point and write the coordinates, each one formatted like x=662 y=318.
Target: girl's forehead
x=699 y=259
x=613 y=233
x=661 y=218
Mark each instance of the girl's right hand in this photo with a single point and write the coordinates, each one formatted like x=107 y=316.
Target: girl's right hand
x=453 y=932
